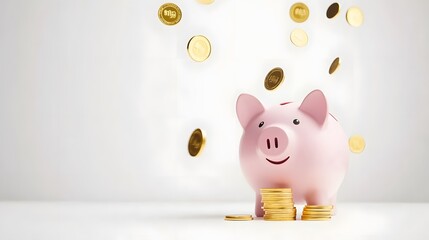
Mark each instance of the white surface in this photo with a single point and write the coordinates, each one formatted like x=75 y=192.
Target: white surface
x=123 y=221
x=98 y=97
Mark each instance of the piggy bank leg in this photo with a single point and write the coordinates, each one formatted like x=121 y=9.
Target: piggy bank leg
x=258 y=206
x=317 y=199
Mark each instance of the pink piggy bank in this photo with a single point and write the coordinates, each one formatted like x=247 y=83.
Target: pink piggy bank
x=292 y=145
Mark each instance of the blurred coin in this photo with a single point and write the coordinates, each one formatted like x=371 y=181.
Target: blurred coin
x=274 y=78
x=199 y=48
x=334 y=65
x=169 y=14
x=205 y=1
x=354 y=16
x=239 y=217
x=299 y=37
x=196 y=142
x=299 y=12
x=356 y=144
x=333 y=10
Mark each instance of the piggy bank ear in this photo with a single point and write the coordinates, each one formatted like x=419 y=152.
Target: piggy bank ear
x=247 y=108
x=315 y=106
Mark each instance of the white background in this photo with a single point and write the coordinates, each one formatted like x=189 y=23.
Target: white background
x=98 y=98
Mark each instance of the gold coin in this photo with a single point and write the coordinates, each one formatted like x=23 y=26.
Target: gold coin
x=317 y=210
x=354 y=16
x=319 y=206
x=239 y=217
x=278 y=197
x=299 y=12
x=276 y=193
x=279 y=218
x=169 y=14
x=272 y=207
x=275 y=190
x=292 y=215
x=282 y=211
x=333 y=10
x=315 y=219
x=316 y=213
x=315 y=216
x=271 y=199
x=326 y=211
x=273 y=79
x=199 y=48
x=356 y=144
x=299 y=37
x=196 y=142
x=205 y=1
x=277 y=200
x=334 y=65
x=289 y=209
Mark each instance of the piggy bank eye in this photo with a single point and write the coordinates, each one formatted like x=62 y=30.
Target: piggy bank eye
x=296 y=121
x=261 y=124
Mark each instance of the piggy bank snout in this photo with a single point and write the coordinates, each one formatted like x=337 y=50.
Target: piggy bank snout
x=273 y=141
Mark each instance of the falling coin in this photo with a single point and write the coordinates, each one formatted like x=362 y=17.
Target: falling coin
x=239 y=217
x=205 y=1
x=169 y=14
x=334 y=65
x=199 y=48
x=333 y=10
x=354 y=16
x=299 y=12
x=274 y=78
x=299 y=37
x=196 y=142
x=356 y=144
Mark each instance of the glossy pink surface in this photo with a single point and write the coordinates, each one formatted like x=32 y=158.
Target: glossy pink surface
x=298 y=146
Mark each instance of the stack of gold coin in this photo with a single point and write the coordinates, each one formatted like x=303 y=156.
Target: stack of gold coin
x=278 y=204
x=317 y=213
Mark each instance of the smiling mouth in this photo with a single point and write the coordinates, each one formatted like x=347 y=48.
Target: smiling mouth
x=279 y=162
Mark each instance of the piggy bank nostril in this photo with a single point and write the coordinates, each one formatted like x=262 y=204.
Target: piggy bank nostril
x=268 y=144
x=276 y=143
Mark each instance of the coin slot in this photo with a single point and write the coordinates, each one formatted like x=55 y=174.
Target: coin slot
x=333 y=10
x=334 y=65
